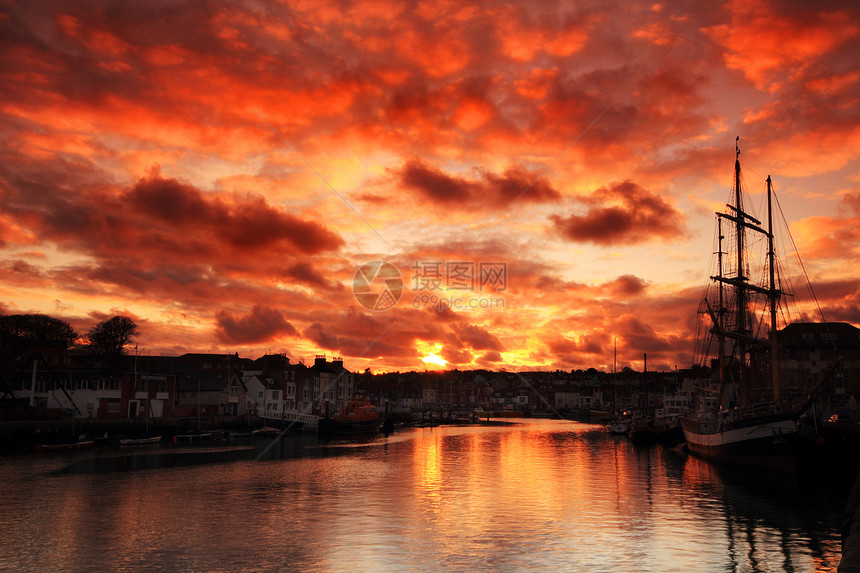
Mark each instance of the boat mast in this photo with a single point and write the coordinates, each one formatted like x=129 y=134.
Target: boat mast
x=773 y=295
x=615 y=376
x=721 y=310
x=740 y=290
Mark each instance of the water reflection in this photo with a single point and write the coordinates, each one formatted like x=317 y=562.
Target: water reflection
x=539 y=495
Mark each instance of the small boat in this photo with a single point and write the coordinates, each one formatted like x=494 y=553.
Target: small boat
x=618 y=427
x=510 y=414
x=359 y=416
x=241 y=434
x=70 y=447
x=107 y=440
x=642 y=430
x=266 y=431
x=595 y=413
x=140 y=441
x=191 y=437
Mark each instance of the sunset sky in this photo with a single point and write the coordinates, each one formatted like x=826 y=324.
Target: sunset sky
x=219 y=172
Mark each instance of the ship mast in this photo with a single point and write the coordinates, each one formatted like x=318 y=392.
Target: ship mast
x=721 y=310
x=773 y=295
x=742 y=334
x=740 y=291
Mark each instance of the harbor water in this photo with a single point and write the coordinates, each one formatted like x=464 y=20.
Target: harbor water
x=536 y=495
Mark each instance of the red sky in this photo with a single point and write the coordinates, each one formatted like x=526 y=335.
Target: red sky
x=218 y=172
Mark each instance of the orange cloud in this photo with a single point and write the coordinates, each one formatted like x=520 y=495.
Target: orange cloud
x=765 y=44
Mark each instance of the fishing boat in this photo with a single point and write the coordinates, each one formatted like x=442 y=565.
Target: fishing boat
x=359 y=416
x=729 y=423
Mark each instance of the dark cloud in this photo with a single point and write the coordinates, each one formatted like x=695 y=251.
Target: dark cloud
x=642 y=337
x=591 y=344
x=244 y=222
x=360 y=335
x=627 y=286
x=456 y=357
x=622 y=214
x=491 y=356
x=262 y=324
x=434 y=183
x=516 y=183
x=307 y=273
x=477 y=338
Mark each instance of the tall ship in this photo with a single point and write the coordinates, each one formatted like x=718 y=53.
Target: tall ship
x=745 y=416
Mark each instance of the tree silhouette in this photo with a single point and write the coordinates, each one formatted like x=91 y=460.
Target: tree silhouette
x=110 y=336
x=26 y=329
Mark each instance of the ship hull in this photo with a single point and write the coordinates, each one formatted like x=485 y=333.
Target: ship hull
x=763 y=442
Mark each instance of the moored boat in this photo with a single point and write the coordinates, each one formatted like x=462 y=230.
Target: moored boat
x=265 y=431
x=618 y=426
x=66 y=447
x=140 y=441
x=196 y=437
x=241 y=434
x=359 y=416
x=599 y=415
x=510 y=414
x=642 y=430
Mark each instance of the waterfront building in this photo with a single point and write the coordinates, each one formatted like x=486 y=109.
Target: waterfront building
x=807 y=349
x=51 y=383
x=332 y=385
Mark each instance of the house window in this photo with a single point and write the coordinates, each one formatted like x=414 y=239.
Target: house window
x=234 y=391
x=275 y=395
x=113 y=407
x=109 y=384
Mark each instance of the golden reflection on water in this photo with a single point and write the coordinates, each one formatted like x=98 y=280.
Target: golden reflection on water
x=537 y=496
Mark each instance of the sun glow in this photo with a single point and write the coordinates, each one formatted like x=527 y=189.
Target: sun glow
x=434 y=358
